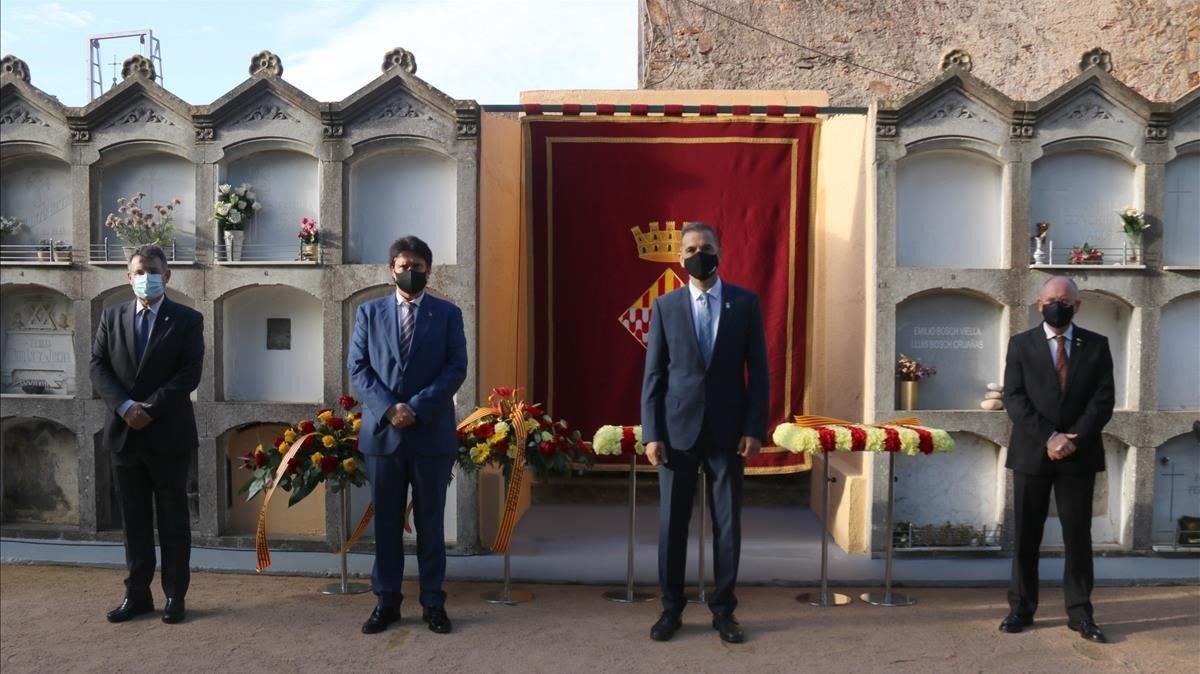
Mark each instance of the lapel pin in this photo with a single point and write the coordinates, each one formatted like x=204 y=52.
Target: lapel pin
x=728 y=305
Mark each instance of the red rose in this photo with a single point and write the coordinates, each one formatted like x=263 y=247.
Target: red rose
x=336 y=423
x=278 y=440
x=329 y=463
x=546 y=448
x=354 y=445
x=347 y=402
x=260 y=459
x=309 y=442
x=306 y=426
x=484 y=431
x=293 y=464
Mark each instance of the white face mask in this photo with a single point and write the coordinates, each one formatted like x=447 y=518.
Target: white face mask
x=148 y=286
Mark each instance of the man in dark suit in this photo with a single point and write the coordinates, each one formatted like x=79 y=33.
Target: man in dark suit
x=407 y=359
x=704 y=403
x=146 y=361
x=1059 y=393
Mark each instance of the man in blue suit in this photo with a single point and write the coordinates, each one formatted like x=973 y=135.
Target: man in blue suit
x=407 y=359
x=704 y=403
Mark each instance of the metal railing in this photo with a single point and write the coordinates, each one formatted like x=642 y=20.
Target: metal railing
x=55 y=252
x=113 y=250
x=267 y=252
x=1114 y=256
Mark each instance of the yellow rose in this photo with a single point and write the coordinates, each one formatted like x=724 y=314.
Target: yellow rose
x=329 y=441
x=356 y=424
x=316 y=459
x=283 y=447
x=289 y=436
x=349 y=465
x=324 y=416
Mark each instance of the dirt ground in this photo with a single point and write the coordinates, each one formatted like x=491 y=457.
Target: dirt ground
x=52 y=619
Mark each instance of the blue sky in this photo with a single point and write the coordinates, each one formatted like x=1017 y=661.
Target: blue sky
x=488 y=50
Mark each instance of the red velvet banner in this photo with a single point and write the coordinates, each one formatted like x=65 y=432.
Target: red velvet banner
x=606 y=200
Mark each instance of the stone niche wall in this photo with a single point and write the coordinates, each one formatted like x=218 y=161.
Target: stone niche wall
x=1109 y=316
x=1109 y=512
x=1181 y=210
x=37 y=191
x=271 y=338
x=398 y=192
x=960 y=334
x=40 y=472
x=286 y=183
x=948 y=210
x=306 y=519
x=162 y=177
x=1079 y=194
x=963 y=487
x=1176 y=486
x=1179 y=357
x=37 y=352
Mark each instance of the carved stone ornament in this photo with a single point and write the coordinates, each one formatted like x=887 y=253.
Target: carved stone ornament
x=400 y=58
x=950 y=108
x=956 y=58
x=81 y=135
x=1156 y=134
x=885 y=130
x=267 y=63
x=137 y=65
x=1096 y=58
x=204 y=133
x=19 y=114
x=267 y=109
x=332 y=131
x=11 y=65
x=140 y=114
x=396 y=107
x=1020 y=131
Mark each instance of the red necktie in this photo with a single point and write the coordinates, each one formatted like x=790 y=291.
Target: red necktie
x=1060 y=365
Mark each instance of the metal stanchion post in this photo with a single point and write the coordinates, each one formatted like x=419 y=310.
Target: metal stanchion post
x=825 y=598
x=344 y=586
x=628 y=595
x=887 y=597
x=507 y=595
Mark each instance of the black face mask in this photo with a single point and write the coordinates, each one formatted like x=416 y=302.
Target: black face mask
x=701 y=265
x=1058 y=314
x=411 y=282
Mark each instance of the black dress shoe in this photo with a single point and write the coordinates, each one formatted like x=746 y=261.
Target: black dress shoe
x=130 y=608
x=1014 y=623
x=729 y=629
x=174 y=611
x=1089 y=630
x=437 y=620
x=666 y=627
x=380 y=618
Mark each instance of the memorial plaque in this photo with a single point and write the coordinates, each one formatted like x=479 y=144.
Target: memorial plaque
x=279 y=334
x=39 y=353
x=958 y=334
x=1176 y=487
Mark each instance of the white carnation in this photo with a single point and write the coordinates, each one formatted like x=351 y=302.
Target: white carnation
x=235 y=217
x=225 y=189
x=256 y=207
x=222 y=209
x=241 y=191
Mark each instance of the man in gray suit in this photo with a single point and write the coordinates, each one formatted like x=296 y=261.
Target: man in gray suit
x=704 y=403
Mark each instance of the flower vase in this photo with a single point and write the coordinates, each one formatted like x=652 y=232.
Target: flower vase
x=1039 y=253
x=1133 y=249
x=908 y=395
x=308 y=251
x=233 y=245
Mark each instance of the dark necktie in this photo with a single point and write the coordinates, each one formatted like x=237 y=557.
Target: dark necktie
x=1060 y=365
x=143 y=332
x=406 y=330
x=704 y=335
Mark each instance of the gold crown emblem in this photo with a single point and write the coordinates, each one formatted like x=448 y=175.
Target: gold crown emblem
x=658 y=245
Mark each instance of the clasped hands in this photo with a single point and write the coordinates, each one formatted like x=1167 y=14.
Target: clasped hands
x=656 y=452
x=401 y=415
x=137 y=417
x=1061 y=446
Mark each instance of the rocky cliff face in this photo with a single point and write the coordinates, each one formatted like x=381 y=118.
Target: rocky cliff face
x=1024 y=48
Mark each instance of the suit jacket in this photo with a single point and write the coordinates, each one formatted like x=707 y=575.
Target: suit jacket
x=680 y=394
x=164 y=380
x=437 y=366
x=1039 y=407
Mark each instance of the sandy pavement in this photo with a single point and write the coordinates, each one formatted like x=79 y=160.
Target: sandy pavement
x=52 y=620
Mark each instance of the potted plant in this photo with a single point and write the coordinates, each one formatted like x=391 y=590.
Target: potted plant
x=310 y=236
x=234 y=209
x=137 y=227
x=1086 y=254
x=1133 y=223
x=910 y=371
x=62 y=251
x=43 y=250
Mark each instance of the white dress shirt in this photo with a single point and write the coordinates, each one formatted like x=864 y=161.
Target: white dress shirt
x=714 y=309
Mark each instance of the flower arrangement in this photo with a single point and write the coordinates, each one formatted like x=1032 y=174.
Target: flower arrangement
x=309 y=233
x=235 y=207
x=618 y=440
x=911 y=369
x=1133 y=221
x=552 y=448
x=910 y=440
x=10 y=227
x=1086 y=254
x=327 y=452
x=138 y=227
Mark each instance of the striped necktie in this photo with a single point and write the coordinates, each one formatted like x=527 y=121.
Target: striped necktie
x=407 y=320
x=1060 y=366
